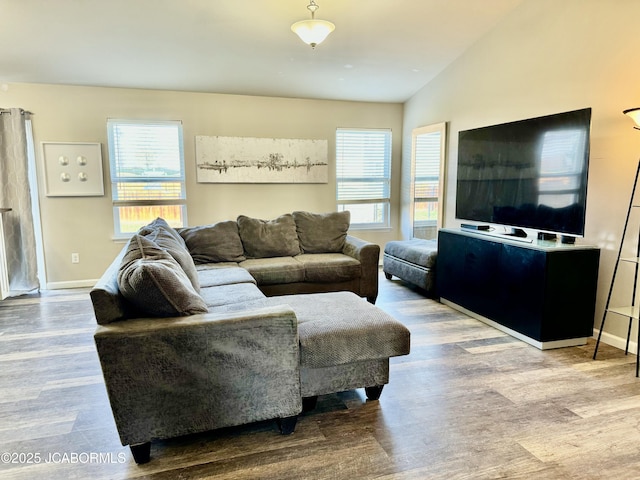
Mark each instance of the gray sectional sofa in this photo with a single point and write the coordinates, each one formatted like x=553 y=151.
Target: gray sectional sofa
x=232 y=323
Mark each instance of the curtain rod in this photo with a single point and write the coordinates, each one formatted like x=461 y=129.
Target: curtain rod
x=22 y=112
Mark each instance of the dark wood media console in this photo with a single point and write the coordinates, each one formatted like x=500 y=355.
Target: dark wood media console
x=540 y=292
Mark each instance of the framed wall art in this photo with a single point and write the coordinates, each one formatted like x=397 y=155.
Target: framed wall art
x=261 y=160
x=73 y=169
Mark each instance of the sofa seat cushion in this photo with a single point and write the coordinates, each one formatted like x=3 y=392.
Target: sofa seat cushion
x=151 y=279
x=211 y=266
x=212 y=277
x=276 y=270
x=340 y=328
x=329 y=267
x=237 y=293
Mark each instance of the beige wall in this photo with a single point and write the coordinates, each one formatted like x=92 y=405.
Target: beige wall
x=79 y=114
x=550 y=56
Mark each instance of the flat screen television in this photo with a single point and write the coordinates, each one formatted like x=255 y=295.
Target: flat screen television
x=526 y=174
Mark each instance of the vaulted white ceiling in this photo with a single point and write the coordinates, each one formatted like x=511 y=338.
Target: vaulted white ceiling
x=381 y=50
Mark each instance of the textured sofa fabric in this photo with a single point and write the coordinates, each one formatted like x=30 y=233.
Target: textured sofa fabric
x=329 y=267
x=345 y=342
x=322 y=233
x=413 y=261
x=274 y=270
x=210 y=275
x=238 y=363
x=215 y=243
x=154 y=282
x=247 y=356
x=338 y=328
x=269 y=238
x=170 y=377
x=218 y=245
x=165 y=237
x=416 y=251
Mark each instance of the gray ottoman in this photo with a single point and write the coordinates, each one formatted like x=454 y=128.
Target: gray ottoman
x=345 y=343
x=413 y=261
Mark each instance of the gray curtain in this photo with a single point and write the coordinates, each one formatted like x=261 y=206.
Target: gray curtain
x=14 y=193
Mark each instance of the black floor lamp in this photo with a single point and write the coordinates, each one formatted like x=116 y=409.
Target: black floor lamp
x=632 y=311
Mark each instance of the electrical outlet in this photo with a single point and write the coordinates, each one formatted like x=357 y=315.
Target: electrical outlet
x=75 y=258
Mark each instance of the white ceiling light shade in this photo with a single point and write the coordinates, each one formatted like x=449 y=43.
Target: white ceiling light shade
x=634 y=113
x=312 y=32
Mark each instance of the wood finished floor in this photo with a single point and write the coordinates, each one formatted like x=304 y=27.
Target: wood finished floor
x=469 y=402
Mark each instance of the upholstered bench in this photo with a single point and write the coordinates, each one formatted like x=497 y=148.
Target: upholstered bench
x=345 y=343
x=413 y=261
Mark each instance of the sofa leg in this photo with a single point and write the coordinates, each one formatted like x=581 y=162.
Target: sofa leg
x=287 y=425
x=309 y=403
x=141 y=452
x=388 y=276
x=373 y=393
x=372 y=299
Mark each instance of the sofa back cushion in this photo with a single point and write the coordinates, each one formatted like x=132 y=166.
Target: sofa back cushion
x=215 y=243
x=322 y=232
x=154 y=282
x=269 y=238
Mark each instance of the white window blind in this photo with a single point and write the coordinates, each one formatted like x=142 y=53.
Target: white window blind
x=147 y=173
x=363 y=171
x=427 y=176
x=427 y=179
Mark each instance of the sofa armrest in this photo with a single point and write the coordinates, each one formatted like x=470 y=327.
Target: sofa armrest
x=167 y=377
x=368 y=254
x=108 y=303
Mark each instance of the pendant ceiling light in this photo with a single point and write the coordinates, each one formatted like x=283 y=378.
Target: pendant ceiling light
x=312 y=32
x=634 y=113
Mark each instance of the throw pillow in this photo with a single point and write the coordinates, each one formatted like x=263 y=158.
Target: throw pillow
x=269 y=238
x=322 y=233
x=219 y=242
x=163 y=238
x=152 y=280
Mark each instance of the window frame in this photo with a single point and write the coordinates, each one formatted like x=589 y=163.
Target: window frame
x=384 y=201
x=440 y=128
x=169 y=202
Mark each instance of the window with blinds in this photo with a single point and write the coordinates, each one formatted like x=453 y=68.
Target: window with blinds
x=427 y=178
x=363 y=174
x=427 y=159
x=147 y=173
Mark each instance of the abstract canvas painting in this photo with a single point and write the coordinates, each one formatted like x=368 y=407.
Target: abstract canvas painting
x=261 y=160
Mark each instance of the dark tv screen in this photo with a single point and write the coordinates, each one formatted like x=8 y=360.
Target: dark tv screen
x=528 y=174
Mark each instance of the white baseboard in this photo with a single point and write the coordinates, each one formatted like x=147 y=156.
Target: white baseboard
x=71 y=284
x=548 y=345
x=609 y=339
x=615 y=341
